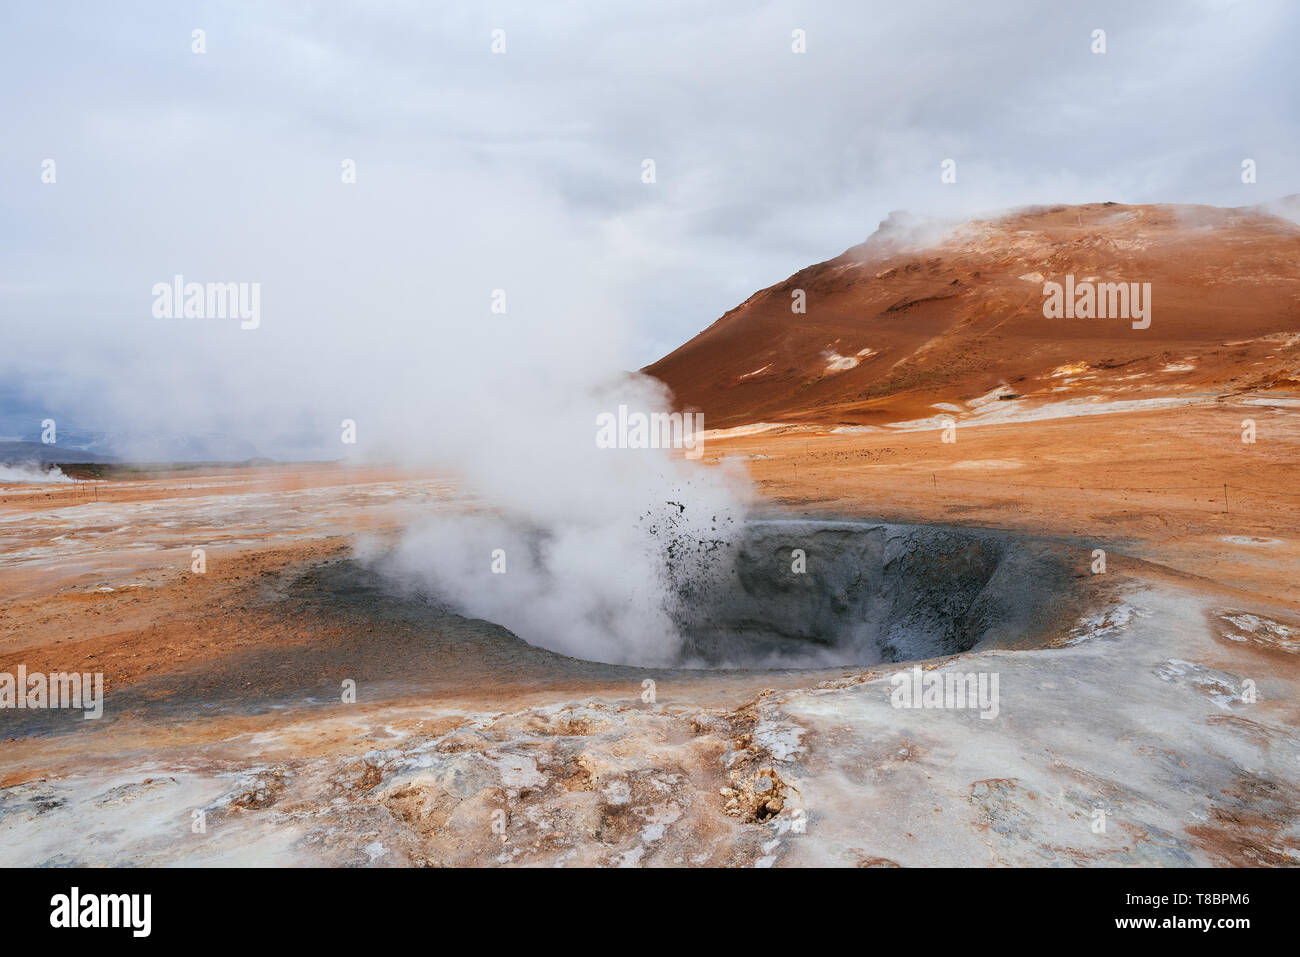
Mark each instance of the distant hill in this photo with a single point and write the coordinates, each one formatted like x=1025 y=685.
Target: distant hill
x=14 y=453
x=123 y=446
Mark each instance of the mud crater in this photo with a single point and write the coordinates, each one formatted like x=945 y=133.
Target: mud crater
x=804 y=593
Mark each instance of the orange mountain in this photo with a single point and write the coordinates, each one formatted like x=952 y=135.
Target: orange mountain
x=925 y=313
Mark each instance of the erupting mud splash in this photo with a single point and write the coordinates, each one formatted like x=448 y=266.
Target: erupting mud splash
x=597 y=587
x=750 y=594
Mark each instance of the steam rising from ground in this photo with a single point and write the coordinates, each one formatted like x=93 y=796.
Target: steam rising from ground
x=582 y=550
x=29 y=473
x=400 y=337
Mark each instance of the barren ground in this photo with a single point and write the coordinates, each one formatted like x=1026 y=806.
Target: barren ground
x=468 y=746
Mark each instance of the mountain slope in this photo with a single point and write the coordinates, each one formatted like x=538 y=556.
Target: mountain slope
x=923 y=314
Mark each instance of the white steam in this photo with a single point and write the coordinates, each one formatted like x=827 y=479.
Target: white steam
x=378 y=309
x=582 y=550
x=31 y=474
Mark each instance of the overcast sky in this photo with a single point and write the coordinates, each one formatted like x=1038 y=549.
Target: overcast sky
x=522 y=170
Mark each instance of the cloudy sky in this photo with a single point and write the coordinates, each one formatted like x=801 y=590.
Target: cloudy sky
x=522 y=171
